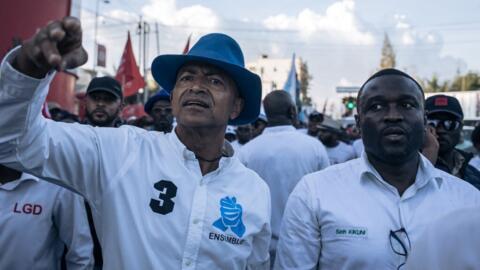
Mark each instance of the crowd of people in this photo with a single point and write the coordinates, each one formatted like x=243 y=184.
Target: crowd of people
x=206 y=181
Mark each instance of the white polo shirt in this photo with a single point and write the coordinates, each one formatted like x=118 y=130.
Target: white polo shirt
x=37 y=220
x=282 y=156
x=152 y=207
x=449 y=243
x=341 y=217
x=340 y=153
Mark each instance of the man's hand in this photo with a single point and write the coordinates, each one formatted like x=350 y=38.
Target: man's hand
x=55 y=46
x=430 y=145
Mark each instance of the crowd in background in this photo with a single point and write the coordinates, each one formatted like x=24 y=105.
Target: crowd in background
x=263 y=191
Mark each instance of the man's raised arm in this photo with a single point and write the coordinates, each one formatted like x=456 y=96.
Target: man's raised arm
x=66 y=154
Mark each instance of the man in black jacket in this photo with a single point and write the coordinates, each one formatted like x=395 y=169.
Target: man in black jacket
x=445 y=114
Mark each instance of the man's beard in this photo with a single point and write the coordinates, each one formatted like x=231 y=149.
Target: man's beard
x=108 y=122
x=163 y=126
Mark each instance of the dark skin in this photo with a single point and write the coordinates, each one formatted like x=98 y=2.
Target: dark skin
x=162 y=115
x=8 y=175
x=258 y=127
x=391 y=117
x=244 y=133
x=203 y=101
x=328 y=137
x=279 y=108
x=204 y=98
x=102 y=108
x=447 y=140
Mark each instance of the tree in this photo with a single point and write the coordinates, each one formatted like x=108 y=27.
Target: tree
x=305 y=79
x=388 y=55
x=469 y=81
x=434 y=85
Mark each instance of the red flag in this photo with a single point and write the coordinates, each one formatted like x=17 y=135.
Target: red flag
x=128 y=74
x=187 y=46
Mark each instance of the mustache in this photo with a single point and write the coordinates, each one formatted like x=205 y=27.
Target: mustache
x=99 y=110
x=202 y=98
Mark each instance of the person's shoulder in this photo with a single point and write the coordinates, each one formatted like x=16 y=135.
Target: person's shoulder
x=247 y=177
x=454 y=185
x=342 y=173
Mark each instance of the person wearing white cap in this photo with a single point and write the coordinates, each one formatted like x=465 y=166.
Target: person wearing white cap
x=160 y=200
x=329 y=134
x=259 y=125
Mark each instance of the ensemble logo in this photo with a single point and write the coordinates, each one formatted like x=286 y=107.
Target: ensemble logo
x=231 y=217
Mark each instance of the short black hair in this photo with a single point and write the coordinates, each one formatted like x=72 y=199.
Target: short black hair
x=385 y=72
x=476 y=135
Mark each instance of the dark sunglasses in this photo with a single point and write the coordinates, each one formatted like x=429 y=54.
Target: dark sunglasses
x=448 y=125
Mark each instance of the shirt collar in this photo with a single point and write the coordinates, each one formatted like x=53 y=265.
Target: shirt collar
x=188 y=155
x=426 y=173
x=276 y=129
x=15 y=183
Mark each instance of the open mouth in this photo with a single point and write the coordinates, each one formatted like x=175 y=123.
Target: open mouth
x=195 y=103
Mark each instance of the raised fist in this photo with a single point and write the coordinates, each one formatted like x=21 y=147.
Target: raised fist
x=231 y=213
x=55 y=46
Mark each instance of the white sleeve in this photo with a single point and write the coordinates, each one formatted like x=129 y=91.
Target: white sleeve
x=323 y=160
x=80 y=157
x=299 y=244
x=70 y=219
x=260 y=257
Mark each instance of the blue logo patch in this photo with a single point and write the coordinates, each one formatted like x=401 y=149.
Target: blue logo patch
x=231 y=218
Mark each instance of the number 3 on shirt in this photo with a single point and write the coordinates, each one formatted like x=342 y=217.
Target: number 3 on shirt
x=165 y=205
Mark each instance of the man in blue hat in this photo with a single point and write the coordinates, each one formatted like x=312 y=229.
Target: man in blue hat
x=160 y=201
x=160 y=109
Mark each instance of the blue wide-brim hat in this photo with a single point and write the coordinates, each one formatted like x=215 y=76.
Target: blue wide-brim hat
x=162 y=94
x=223 y=52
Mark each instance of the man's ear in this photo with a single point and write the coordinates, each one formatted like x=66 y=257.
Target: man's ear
x=238 y=104
x=357 y=123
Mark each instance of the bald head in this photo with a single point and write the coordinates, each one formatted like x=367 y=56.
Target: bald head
x=279 y=108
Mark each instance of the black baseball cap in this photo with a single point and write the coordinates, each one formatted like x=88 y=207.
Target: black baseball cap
x=444 y=104
x=107 y=84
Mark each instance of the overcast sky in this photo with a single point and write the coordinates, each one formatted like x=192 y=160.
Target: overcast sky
x=340 y=40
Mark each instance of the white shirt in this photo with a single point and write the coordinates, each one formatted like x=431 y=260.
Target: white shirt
x=152 y=207
x=358 y=147
x=340 y=153
x=451 y=242
x=341 y=217
x=282 y=156
x=475 y=162
x=236 y=146
x=37 y=220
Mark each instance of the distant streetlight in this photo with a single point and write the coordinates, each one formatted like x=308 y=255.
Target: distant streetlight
x=95 y=44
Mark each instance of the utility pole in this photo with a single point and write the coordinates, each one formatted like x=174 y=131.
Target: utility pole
x=158 y=38
x=146 y=31
x=95 y=43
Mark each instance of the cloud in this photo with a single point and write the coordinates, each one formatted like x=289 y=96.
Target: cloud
x=339 y=22
x=166 y=12
x=122 y=15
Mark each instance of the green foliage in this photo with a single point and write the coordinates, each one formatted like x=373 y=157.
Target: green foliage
x=467 y=82
x=305 y=78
